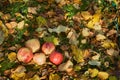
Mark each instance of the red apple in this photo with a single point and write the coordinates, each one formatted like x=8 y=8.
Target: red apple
x=56 y=58
x=33 y=44
x=39 y=58
x=48 y=48
x=24 y=55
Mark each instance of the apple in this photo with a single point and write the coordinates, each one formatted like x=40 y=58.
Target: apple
x=33 y=44
x=39 y=58
x=56 y=58
x=24 y=55
x=48 y=48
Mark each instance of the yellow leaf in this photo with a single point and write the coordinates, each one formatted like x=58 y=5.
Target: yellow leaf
x=56 y=41
x=93 y=72
x=116 y=2
x=103 y=75
x=77 y=1
x=77 y=54
x=12 y=56
x=95 y=19
x=18 y=76
x=54 y=77
x=108 y=44
x=35 y=77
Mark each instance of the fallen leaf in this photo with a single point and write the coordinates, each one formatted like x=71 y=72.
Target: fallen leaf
x=59 y=29
x=65 y=66
x=86 y=54
x=94 y=62
x=111 y=32
x=18 y=76
x=12 y=56
x=72 y=36
x=97 y=27
x=53 y=39
x=100 y=37
x=32 y=10
x=103 y=75
x=4 y=29
x=95 y=19
x=41 y=21
x=108 y=44
x=77 y=54
x=112 y=78
x=1 y=37
x=54 y=77
x=85 y=32
x=110 y=52
x=20 y=25
x=35 y=77
x=86 y=15
x=96 y=57
x=93 y=72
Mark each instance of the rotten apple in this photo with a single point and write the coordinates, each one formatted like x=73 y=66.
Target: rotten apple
x=39 y=58
x=33 y=44
x=48 y=48
x=24 y=55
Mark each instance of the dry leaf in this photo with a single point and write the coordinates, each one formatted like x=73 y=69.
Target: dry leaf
x=100 y=37
x=32 y=10
x=86 y=53
x=59 y=29
x=97 y=26
x=86 y=15
x=65 y=66
x=72 y=36
x=85 y=32
x=21 y=25
x=96 y=57
x=111 y=32
x=110 y=51
x=11 y=25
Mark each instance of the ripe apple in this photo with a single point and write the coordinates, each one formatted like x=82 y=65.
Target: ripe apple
x=24 y=55
x=48 y=48
x=33 y=44
x=56 y=58
x=39 y=58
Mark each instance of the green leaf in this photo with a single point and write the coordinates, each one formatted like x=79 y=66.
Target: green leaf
x=41 y=21
x=77 y=54
x=69 y=8
x=112 y=78
x=52 y=39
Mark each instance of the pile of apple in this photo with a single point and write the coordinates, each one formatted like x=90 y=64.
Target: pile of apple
x=36 y=53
